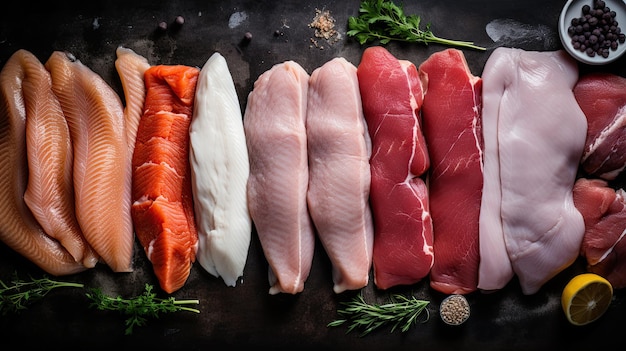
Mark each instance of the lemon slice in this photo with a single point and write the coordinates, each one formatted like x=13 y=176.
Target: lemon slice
x=585 y=298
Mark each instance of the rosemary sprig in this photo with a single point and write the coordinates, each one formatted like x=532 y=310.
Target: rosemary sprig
x=19 y=294
x=401 y=313
x=139 y=308
x=385 y=21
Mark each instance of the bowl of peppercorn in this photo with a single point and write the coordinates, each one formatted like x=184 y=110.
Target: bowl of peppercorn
x=591 y=30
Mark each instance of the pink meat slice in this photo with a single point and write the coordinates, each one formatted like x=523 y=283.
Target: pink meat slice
x=538 y=145
x=274 y=125
x=604 y=212
x=339 y=148
x=602 y=99
x=453 y=130
x=392 y=96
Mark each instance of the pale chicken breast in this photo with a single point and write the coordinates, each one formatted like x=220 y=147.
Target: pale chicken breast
x=339 y=148
x=274 y=124
x=219 y=173
x=539 y=145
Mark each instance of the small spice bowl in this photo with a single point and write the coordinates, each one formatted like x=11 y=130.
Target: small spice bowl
x=454 y=310
x=573 y=10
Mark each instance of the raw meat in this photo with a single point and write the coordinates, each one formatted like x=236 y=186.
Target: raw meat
x=50 y=191
x=19 y=229
x=274 y=124
x=339 y=148
x=131 y=68
x=219 y=173
x=162 y=210
x=601 y=97
x=453 y=130
x=392 y=96
x=604 y=212
x=534 y=135
x=101 y=171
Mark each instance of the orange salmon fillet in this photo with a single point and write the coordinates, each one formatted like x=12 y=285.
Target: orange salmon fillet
x=162 y=210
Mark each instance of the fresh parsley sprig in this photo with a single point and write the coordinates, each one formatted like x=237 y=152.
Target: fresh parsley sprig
x=385 y=21
x=19 y=294
x=401 y=313
x=139 y=308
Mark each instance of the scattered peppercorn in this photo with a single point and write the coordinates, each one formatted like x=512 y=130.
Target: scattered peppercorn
x=179 y=20
x=454 y=309
x=596 y=31
x=162 y=26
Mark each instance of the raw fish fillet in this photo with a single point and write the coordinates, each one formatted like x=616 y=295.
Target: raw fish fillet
x=50 y=190
x=131 y=68
x=101 y=171
x=19 y=229
x=604 y=212
x=453 y=130
x=392 y=96
x=602 y=99
x=540 y=135
x=339 y=148
x=274 y=124
x=219 y=173
x=162 y=208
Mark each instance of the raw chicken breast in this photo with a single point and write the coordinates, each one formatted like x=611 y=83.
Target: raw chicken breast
x=131 y=68
x=453 y=130
x=19 y=229
x=601 y=97
x=540 y=134
x=219 y=173
x=162 y=208
x=604 y=212
x=339 y=148
x=274 y=124
x=101 y=171
x=392 y=96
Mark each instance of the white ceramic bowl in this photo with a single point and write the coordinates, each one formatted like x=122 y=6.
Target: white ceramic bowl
x=573 y=9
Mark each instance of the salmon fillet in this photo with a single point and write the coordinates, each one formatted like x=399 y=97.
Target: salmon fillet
x=102 y=177
x=19 y=229
x=162 y=210
x=50 y=190
x=131 y=68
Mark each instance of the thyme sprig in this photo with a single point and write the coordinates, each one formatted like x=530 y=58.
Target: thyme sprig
x=139 y=308
x=400 y=312
x=19 y=294
x=385 y=21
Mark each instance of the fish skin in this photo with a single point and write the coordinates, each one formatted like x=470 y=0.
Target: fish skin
x=276 y=138
x=219 y=173
x=19 y=229
x=50 y=190
x=162 y=208
x=131 y=68
x=102 y=173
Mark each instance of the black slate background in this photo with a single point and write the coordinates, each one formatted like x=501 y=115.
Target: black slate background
x=246 y=315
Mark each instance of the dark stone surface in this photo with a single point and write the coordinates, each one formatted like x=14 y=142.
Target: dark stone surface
x=246 y=315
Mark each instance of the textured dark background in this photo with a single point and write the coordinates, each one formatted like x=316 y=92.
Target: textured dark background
x=246 y=315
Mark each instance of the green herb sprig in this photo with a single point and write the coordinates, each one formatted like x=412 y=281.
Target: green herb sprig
x=401 y=313
x=385 y=21
x=20 y=294
x=139 y=308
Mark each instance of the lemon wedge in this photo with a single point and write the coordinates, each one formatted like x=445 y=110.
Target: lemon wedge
x=585 y=298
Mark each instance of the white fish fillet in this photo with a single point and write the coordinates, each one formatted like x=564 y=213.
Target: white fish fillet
x=274 y=123
x=219 y=173
x=339 y=149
